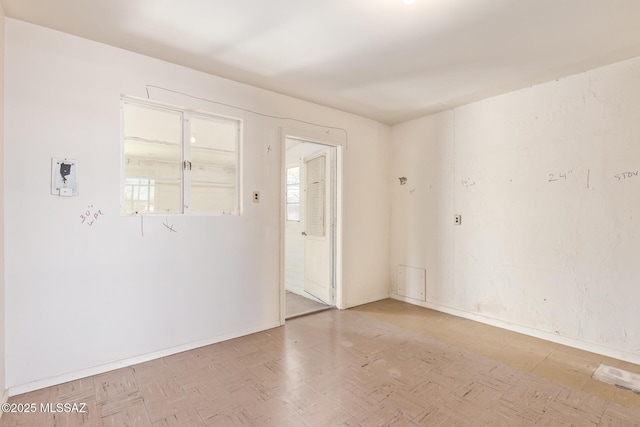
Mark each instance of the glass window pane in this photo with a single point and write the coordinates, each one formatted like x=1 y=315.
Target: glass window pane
x=152 y=160
x=144 y=193
x=214 y=133
x=293 y=212
x=293 y=194
x=213 y=167
x=139 y=195
x=213 y=144
x=152 y=124
x=293 y=175
x=168 y=198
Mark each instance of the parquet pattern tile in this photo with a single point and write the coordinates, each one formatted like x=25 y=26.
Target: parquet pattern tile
x=333 y=368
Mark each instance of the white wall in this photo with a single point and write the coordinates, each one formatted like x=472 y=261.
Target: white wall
x=537 y=252
x=366 y=217
x=83 y=299
x=2 y=161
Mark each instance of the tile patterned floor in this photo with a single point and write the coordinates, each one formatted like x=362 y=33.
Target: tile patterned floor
x=361 y=367
x=564 y=365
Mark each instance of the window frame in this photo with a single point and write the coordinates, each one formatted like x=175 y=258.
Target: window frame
x=185 y=176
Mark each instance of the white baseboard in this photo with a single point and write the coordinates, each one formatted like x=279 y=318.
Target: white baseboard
x=83 y=373
x=366 y=300
x=548 y=336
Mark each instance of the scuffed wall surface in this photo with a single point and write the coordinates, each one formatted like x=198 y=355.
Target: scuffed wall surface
x=546 y=180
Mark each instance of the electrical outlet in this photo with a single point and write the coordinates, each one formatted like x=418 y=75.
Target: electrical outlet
x=256 y=197
x=457 y=219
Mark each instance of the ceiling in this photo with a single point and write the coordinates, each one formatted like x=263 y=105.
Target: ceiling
x=381 y=59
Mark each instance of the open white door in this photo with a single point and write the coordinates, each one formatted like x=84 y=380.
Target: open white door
x=318 y=234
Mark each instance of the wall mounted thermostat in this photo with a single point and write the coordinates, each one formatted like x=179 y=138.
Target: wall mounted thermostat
x=64 y=177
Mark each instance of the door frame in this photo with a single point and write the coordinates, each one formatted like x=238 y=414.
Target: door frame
x=327 y=140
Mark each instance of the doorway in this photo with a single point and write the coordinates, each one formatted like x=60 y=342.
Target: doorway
x=311 y=226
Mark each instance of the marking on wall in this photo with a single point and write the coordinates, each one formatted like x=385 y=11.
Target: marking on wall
x=90 y=215
x=403 y=180
x=412 y=191
x=141 y=224
x=169 y=226
x=467 y=182
x=559 y=176
x=626 y=175
x=588 y=176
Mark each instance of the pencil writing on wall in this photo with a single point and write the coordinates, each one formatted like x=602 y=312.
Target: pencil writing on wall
x=90 y=215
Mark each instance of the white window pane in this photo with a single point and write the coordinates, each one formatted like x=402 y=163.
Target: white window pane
x=139 y=195
x=148 y=153
x=213 y=167
x=293 y=175
x=293 y=212
x=152 y=159
x=144 y=193
x=213 y=181
x=214 y=133
x=167 y=198
x=293 y=194
x=152 y=124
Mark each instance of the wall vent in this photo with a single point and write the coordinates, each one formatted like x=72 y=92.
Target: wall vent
x=412 y=282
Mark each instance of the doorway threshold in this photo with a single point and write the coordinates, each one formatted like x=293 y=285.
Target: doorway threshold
x=305 y=313
x=297 y=305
